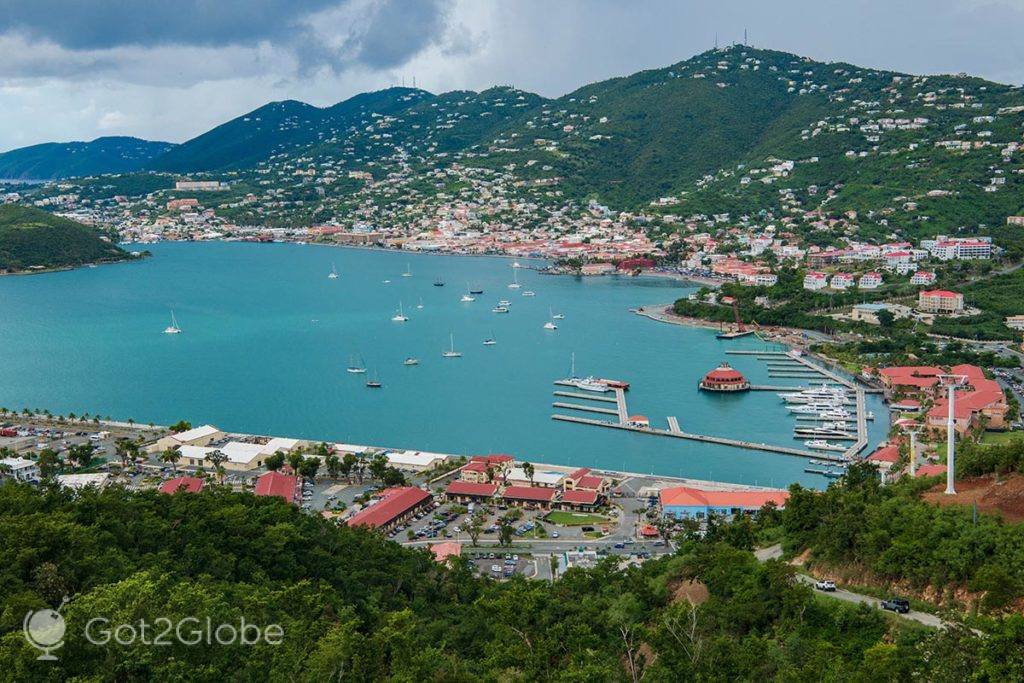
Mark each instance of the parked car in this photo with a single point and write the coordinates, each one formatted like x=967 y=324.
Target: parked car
x=825 y=585
x=898 y=605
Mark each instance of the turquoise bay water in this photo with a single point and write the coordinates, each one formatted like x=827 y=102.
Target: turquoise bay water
x=267 y=337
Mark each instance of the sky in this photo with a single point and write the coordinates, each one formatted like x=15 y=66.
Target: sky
x=172 y=69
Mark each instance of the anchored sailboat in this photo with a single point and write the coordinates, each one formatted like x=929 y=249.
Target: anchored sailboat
x=400 y=316
x=354 y=367
x=334 y=273
x=451 y=352
x=173 y=327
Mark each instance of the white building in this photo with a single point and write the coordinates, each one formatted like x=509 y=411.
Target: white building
x=21 y=469
x=198 y=436
x=814 y=280
x=870 y=280
x=77 y=482
x=517 y=477
x=415 y=461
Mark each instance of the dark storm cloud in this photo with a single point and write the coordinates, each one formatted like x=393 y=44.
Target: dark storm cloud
x=380 y=34
x=102 y=24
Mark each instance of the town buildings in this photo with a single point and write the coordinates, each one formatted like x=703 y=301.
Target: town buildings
x=686 y=502
x=940 y=301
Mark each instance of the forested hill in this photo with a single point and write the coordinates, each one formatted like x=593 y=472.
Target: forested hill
x=355 y=607
x=53 y=160
x=33 y=238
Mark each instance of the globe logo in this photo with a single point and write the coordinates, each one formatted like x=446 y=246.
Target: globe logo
x=44 y=630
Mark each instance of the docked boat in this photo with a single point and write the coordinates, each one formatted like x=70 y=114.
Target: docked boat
x=400 y=316
x=592 y=384
x=333 y=274
x=173 y=327
x=451 y=352
x=614 y=383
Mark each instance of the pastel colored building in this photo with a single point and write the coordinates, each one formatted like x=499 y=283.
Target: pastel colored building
x=685 y=502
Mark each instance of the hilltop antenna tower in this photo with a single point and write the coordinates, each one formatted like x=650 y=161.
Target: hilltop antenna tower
x=952 y=383
x=744 y=37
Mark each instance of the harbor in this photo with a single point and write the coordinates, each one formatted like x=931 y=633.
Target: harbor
x=820 y=410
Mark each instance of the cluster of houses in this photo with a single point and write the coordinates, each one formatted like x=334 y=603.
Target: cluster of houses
x=978 y=404
x=487 y=478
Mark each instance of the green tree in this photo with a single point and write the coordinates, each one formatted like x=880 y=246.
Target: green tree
x=274 y=462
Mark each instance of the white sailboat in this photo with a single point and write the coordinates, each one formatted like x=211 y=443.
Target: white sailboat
x=515 y=280
x=557 y=316
x=550 y=324
x=333 y=274
x=490 y=341
x=420 y=304
x=467 y=297
x=529 y=293
x=400 y=316
x=354 y=367
x=173 y=327
x=408 y=271
x=411 y=361
x=451 y=352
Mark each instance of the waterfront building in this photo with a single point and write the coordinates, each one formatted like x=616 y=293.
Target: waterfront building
x=517 y=477
x=414 y=461
x=685 y=502
x=392 y=507
x=724 y=378
x=529 y=495
x=462 y=491
x=583 y=479
x=198 y=436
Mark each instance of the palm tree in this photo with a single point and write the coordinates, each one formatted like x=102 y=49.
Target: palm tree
x=127 y=451
x=172 y=456
x=216 y=458
x=528 y=471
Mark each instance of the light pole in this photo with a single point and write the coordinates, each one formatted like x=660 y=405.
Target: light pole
x=952 y=383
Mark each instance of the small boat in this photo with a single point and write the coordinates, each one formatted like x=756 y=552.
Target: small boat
x=515 y=281
x=466 y=298
x=499 y=309
x=408 y=271
x=515 y=264
x=411 y=361
x=439 y=282
x=420 y=304
x=356 y=368
x=334 y=273
x=592 y=384
x=529 y=293
x=489 y=341
x=550 y=326
x=374 y=383
x=173 y=327
x=400 y=317
x=451 y=352
x=558 y=316
x=614 y=383
x=505 y=302
x=476 y=291
x=387 y=282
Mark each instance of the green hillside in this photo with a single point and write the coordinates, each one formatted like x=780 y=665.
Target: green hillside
x=355 y=607
x=32 y=238
x=279 y=127
x=66 y=159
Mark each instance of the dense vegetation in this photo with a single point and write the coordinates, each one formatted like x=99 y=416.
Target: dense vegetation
x=32 y=237
x=355 y=607
x=898 y=538
x=67 y=159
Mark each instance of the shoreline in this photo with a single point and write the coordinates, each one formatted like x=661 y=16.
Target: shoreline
x=66 y=269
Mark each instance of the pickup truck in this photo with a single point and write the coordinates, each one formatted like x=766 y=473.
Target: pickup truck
x=896 y=605
x=825 y=585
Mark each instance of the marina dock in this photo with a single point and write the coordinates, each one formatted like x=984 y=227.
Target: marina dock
x=782 y=365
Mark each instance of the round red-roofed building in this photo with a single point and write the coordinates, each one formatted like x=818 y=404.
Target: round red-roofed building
x=724 y=378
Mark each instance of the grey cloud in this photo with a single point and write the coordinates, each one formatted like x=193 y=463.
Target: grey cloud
x=399 y=28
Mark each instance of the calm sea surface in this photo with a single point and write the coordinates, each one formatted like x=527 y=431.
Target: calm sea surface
x=267 y=337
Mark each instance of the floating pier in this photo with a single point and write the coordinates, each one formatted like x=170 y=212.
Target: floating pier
x=591 y=409
x=588 y=397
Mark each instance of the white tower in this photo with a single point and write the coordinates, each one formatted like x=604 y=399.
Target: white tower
x=952 y=383
x=913 y=432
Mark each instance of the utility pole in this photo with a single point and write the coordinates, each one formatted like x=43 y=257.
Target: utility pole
x=952 y=383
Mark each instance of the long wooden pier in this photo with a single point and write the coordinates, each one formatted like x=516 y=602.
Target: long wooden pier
x=750 y=445
x=588 y=397
x=592 y=409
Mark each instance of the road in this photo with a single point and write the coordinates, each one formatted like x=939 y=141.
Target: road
x=775 y=552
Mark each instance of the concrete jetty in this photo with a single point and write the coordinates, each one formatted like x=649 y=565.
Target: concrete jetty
x=591 y=409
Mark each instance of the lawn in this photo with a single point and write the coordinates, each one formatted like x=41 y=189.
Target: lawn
x=573 y=518
x=987 y=439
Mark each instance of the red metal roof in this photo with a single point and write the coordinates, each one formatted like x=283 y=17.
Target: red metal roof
x=393 y=504
x=686 y=496
x=187 y=484
x=943 y=293
x=277 y=484
x=579 y=497
x=889 y=453
x=442 y=551
x=536 y=493
x=590 y=482
x=468 y=488
x=581 y=472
